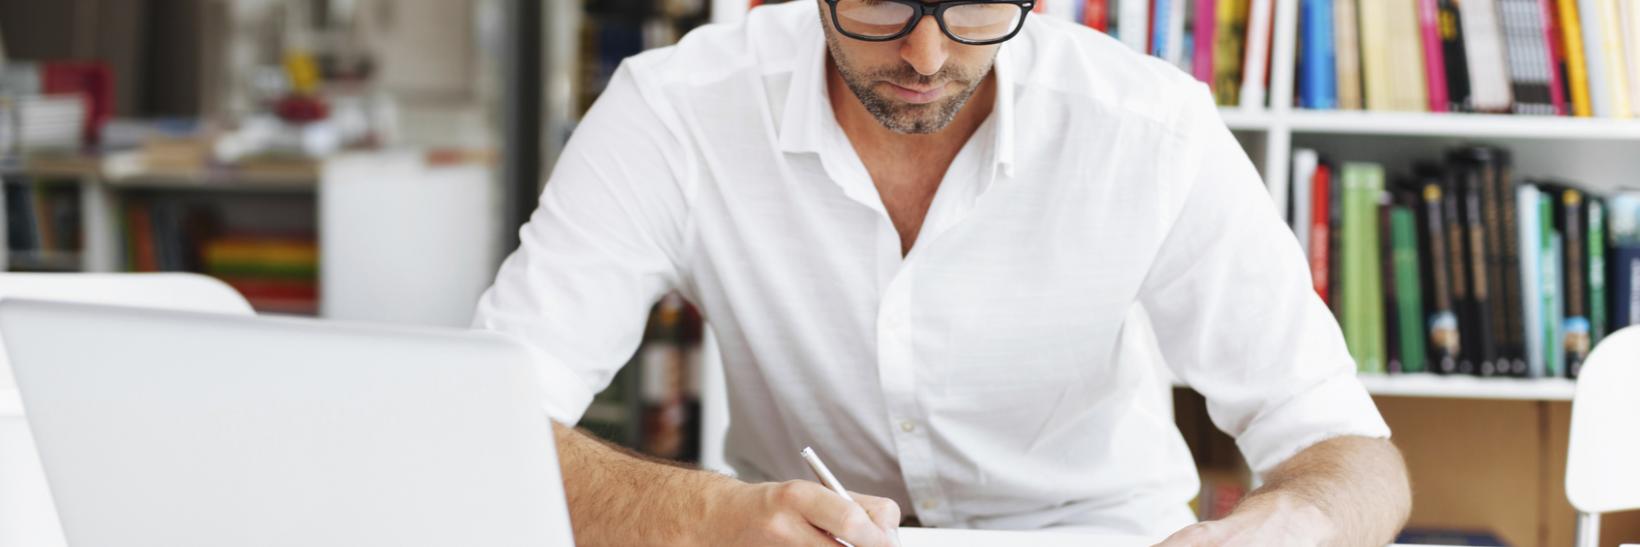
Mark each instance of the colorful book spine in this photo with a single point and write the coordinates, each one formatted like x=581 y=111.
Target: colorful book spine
x=1488 y=66
x=1159 y=31
x=1557 y=311
x=1304 y=163
x=1408 y=294
x=1456 y=58
x=1228 y=46
x=1442 y=322
x=1551 y=40
x=1593 y=32
x=1617 y=68
x=1347 y=54
x=1407 y=79
x=1575 y=328
x=1206 y=18
x=1549 y=266
x=1429 y=23
x=1531 y=256
x=1378 y=87
x=1528 y=56
x=1316 y=90
x=1577 y=74
x=1597 y=271
x=1321 y=236
x=1256 y=64
x=1096 y=14
x=1363 y=308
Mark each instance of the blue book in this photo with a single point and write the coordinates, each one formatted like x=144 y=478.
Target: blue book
x=1531 y=250
x=1625 y=286
x=1158 y=32
x=1318 y=79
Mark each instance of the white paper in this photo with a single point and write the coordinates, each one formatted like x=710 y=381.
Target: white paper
x=937 y=537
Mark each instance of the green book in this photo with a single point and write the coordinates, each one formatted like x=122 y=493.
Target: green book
x=1363 y=309
x=1597 y=271
x=1549 y=264
x=1409 y=298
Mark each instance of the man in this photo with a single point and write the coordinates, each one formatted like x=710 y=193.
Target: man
x=918 y=230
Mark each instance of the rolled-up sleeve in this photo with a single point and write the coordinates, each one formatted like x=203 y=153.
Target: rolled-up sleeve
x=601 y=247
x=1233 y=307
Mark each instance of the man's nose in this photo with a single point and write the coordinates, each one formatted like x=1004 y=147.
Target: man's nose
x=926 y=48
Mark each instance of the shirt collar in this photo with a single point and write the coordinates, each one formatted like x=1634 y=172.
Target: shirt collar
x=808 y=119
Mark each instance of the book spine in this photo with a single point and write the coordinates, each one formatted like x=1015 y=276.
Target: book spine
x=1488 y=67
x=1228 y=51
x=1409 y=295
x=1625 y=282
x=1616 y=67
x=1485 y=344
x=1577 y=75
x=1407 y=58
x=1549 y=267
x=1335 y=223
x=1597 y=272
x=1159 y=32
x=1429 y=23
x=1487 y=168
x=1096 y=15
x=1575 y=329
x=1174 y=49
x=1321 y=235
x=1305 y=162
x=1531 y=245
x=1390 y=325
x=1462 y=301
x=1257 y=61
x=1443 y=320
x=1557 y=319
x=1133 y=24
x=1528 y=57
x=1594 y=59
x=1206 y=18
x=1375 y=63
x=1507 y=239
x=1347 y=53
x=1456 y=58
x=1372 y=252
x=1355 y=298
x=1320 y=75
x=1556 y=57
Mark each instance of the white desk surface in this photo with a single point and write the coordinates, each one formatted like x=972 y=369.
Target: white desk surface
x=931 y=537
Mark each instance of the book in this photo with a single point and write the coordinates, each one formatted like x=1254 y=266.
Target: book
x=1530 y=257
x=1460 y=268
x=1133 y=23
x=1577 y=74
x=1623 y=263
x=1575 y=324
x=1558 y=89
x=1631 y=49
x=1347 y=54
x=1429 y=25
x=1503 y=183
x=1408 y=88
x=1483 y=348
x=1256 y=63
x=1206 y=32
x=1597 y=271
x=1555 y=319
x=1409 y=299
x=1319 y=76
x=1377 y=82
x=1362 y=279
x=1335 y=235
x=1390 y=297
x=1455 y=57
x=1096 y=14
x=1528 y=57
x=1228 y=45
x=1320 y=246
x=1442 y=319
x=1176 y=45
x=1616 y=69
x=1488 y=67
x=1594 y=43
x=1305 y=162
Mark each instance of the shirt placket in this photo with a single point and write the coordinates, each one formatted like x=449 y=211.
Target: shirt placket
x=896 y=369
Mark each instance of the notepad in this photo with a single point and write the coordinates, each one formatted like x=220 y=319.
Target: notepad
x=938 y=537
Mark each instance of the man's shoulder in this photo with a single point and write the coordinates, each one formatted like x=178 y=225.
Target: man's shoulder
x=1087 y=68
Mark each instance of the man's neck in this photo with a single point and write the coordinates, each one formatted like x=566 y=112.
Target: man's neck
x=864 y=131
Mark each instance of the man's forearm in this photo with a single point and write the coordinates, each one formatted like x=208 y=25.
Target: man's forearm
x=619 y=498
x=1358 y=484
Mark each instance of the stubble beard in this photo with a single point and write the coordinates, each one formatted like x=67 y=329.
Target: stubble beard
x=899 y=116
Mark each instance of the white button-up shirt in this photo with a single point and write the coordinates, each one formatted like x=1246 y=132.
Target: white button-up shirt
x=976 y=381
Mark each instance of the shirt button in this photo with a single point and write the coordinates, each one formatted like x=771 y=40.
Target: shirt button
x=908 y=426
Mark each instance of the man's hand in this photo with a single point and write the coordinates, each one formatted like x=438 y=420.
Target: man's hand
x=799 y=513
x=1274 y=521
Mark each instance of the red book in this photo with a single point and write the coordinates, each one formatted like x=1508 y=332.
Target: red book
x=93 y=81
x=1096 y=14
x=140 y=233
x=1206 y=27
x=1557 y=58
x=1320 y=238
x=1429 y=21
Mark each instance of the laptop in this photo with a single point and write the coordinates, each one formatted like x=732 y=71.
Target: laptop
x=177 y=429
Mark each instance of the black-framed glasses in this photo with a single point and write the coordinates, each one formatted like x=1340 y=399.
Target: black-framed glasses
x=971 y=22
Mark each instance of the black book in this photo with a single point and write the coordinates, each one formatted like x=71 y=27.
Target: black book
x=1442 y=276
x=1509 y=262
x=1452 y=48
x=1570 y=213
x=1386 y=266
x=1480 y=340
x=1504 y=353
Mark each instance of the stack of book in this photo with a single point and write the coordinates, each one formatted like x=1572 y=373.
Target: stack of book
x=1459 y=269
x=275 y=273
x=1223 y=43
x=1539 y=57
x=42 y=220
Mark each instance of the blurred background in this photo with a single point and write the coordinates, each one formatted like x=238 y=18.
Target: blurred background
x=1462 y=181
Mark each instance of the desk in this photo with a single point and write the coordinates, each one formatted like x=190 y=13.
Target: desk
x=930 y=537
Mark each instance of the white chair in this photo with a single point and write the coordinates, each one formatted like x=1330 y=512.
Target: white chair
x=27 y=516
x=1601 y=475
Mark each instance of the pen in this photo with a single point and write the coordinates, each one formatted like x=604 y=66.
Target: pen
x=820 y=470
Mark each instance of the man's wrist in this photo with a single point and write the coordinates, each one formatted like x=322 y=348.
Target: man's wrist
x=1295 y=514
